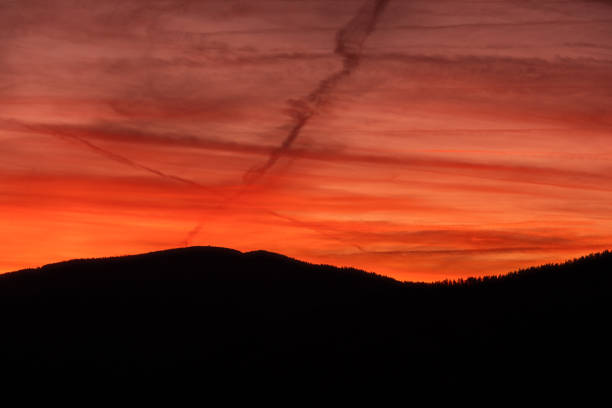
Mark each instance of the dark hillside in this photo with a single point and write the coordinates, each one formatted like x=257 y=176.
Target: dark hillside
x=206 y=311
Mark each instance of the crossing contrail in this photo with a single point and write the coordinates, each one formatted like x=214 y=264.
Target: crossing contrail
x=349 y=45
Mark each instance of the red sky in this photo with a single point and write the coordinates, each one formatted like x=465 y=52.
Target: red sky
x=472 y=137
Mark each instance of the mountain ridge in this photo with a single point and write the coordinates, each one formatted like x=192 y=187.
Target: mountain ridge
x=216 y=312
x=215 y=250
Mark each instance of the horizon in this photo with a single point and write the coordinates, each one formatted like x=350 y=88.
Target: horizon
x=417 y=140
x=441 y=281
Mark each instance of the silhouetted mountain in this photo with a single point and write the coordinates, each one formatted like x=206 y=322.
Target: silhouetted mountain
x=205 y=311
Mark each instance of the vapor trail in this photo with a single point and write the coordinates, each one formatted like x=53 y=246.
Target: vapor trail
x=224 y=203
x=109 y=154
x=349 y=45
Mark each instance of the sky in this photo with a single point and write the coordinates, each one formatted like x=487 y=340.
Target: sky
x=425 y=140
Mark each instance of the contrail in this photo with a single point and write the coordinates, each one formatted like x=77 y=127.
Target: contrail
x=62 y=134
x=349 y=45
x=109 y=154
x=131 y=163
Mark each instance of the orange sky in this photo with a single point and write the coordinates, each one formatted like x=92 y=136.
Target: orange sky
x=473 y=137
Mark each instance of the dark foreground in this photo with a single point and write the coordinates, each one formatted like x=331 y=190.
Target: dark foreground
x=206 y=312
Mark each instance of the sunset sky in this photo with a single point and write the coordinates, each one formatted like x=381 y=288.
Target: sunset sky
x=423 y=140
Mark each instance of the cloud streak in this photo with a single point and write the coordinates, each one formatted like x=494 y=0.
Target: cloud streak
x=350 y=40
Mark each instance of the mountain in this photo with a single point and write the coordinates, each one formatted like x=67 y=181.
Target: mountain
x=219 y=313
